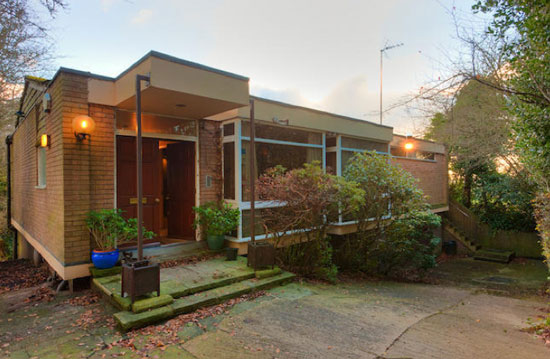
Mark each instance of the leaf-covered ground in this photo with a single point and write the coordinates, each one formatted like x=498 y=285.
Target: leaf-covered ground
x=21 y=274
x=355 y=319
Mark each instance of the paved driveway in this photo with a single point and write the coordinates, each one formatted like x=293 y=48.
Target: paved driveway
x=348 y=320
x=385 y=320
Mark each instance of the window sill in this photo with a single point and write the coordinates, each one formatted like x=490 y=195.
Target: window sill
x=40 y=187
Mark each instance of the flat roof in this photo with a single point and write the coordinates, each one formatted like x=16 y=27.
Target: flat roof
x=318 y=111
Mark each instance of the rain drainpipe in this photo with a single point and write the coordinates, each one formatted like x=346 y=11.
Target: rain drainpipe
x=9 y=141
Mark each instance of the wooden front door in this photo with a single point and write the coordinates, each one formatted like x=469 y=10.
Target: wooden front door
x=180 y=196
x=152 y=176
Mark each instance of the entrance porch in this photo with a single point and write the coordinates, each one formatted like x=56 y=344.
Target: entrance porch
x=185 y=288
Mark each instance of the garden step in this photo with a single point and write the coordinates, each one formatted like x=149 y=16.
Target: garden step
x=266 y=273
x=494 y=255
x=110 y=285
x=128 y=320
x=151 y=303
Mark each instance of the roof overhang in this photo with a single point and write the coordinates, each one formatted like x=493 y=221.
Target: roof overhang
x=297 y=116
x=177 y=88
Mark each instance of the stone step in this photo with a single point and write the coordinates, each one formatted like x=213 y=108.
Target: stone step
x=110 y=287
x=128 y=320
x=494 y=255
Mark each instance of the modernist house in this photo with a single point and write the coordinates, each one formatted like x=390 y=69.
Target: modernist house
x=195 y=148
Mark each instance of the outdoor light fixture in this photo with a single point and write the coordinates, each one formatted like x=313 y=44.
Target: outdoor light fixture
x=83 y=126
x=44 y=141
x=409 y=146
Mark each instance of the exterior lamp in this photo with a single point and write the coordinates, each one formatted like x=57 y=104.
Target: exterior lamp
x=44 y=140
x=83 y=126
x=409 y=146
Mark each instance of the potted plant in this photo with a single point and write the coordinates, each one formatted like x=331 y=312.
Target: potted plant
x=108 y=228
x=216 y=219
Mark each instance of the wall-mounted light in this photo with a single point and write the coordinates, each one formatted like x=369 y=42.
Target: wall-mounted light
x=45 y=140
x=83 y=127
x=409 y=146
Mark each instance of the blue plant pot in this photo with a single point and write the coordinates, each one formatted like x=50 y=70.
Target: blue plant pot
x=105 y=260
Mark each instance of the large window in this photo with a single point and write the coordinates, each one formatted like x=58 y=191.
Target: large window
x=269 y=155
x=285 y=146
x=349 y=143
x=229 y=170
x=278 y=133
x=126 y=120
x=277 y=146
x=41 y=167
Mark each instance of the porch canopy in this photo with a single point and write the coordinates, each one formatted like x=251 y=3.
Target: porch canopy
x=177 y=88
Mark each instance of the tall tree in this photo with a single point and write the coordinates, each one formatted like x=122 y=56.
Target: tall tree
x=523 y=29
x=24 y=43
x=476 y=130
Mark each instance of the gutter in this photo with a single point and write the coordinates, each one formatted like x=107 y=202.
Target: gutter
x=9 y=141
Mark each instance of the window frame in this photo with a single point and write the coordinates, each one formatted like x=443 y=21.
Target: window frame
x=41 y=167
x=237 y=139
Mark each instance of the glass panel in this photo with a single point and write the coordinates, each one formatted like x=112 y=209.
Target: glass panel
x=346 y=156
x=41 y=159
x=425 y=155
x=156 y=124
x=282 y=133
x=331 y=141
x=398 y=151
x=361 y=144
x=259 y=228
x=269 y=155
x=229 y=170
x=331 y=162
x=229 y=129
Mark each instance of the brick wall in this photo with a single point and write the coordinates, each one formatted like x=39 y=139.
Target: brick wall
x=88 y=167
x=432 y=176
x=79 y=175
x=210 y=160
x=40 y=210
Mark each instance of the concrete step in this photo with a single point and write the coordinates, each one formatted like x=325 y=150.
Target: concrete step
x=109 y=286
x=128 y=320
x=494 y=255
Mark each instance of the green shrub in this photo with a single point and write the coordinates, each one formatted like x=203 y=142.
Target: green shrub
x=217 y=218
x=395 y=224
x=108 y=228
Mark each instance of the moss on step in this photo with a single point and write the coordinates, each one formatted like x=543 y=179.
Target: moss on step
x=150 y=303
x=218 y=295
x=128 y=320
x=99 y=273
x=266 y=273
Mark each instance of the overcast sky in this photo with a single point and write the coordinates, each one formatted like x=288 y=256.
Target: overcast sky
x=318 y=53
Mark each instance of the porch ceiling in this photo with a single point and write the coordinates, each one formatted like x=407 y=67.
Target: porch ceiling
x=174 y=103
